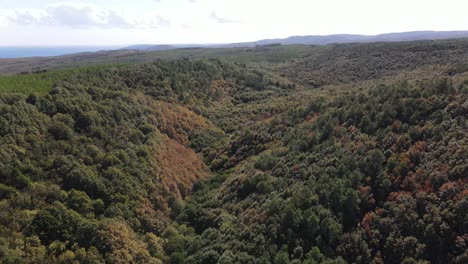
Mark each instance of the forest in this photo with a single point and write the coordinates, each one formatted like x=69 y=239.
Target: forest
x=346 y=153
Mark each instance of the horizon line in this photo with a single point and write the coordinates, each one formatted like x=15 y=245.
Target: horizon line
x=227 y=43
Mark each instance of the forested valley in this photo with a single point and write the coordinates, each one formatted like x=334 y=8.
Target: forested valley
x=349 y=153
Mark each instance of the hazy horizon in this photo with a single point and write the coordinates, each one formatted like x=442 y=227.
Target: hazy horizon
x=9 y=52
x=117 y=46
x=105 y=22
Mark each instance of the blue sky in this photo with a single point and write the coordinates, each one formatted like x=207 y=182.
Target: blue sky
x=119 y=22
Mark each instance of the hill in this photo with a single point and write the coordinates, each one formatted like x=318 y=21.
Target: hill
x=346 y=153
x=350 y=38
x=148 y=47
x=347 y=63
x=262 y=51
x=323 y=40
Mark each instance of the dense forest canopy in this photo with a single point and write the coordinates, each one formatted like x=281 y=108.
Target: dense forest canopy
x=352 y=153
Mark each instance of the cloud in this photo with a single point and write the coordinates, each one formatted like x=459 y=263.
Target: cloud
x=222 y=20
x=73 y=16
x=23 y=18
x=191 y=1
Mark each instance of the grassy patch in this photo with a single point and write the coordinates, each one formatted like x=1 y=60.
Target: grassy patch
x=40 y=82
x=27 y=83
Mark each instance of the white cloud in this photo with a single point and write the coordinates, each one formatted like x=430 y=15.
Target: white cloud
x=103 y=22
x=161 y=21
x=221 y=20
x=23 y=18
x=84 y=16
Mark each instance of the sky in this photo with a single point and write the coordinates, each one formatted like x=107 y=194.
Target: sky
x=124 y=22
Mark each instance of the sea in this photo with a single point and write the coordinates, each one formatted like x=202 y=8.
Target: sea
x=22 y=52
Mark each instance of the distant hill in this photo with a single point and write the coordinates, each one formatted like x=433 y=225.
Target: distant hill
x=321 y=40
x=150 y=47
x=267 y=53
x=349 y=38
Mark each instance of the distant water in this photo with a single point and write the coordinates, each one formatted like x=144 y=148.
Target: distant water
x=21 y=52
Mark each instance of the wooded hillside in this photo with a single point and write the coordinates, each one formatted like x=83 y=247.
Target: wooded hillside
x=347 y=154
